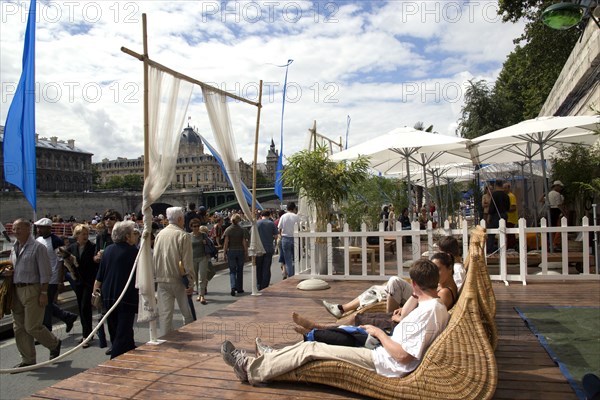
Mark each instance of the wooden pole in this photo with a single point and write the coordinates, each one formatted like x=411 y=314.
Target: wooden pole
x=185 y=77
x=259 y=107
x=146 y=97
x=152 y=324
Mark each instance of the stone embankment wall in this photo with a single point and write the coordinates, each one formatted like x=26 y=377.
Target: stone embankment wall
x=82 y=206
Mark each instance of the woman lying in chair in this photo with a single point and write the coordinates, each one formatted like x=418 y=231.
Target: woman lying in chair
x=350 y=336
x=398 y=355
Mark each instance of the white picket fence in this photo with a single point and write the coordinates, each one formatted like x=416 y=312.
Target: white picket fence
x=328 y=254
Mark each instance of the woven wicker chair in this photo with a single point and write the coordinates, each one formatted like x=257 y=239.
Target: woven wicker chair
x=460 y=364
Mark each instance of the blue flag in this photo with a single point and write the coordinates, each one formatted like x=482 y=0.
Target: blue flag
x=217 y=156
x=279 y=170
x=19 y=130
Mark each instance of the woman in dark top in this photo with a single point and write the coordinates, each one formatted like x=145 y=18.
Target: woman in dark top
x=235 y=249
x=84 y=252
x=115 y=268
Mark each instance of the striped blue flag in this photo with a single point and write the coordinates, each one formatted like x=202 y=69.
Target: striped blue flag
x=19 y=129
x=217 y=156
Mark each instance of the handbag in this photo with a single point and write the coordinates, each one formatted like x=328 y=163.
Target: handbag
x=97 y=300
x=211 y=271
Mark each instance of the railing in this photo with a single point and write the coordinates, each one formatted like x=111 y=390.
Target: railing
x=328 y=254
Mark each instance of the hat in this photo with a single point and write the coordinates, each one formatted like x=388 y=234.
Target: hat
x=556 y=183
x=44 y=222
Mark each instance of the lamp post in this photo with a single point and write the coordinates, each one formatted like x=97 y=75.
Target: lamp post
x=565 y=15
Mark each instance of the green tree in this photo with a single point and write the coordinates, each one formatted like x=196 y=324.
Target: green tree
x=483 y=111
x=114 y=182
x=527 y=76
x=578 y=167
x=133 y=182
x=322 y=181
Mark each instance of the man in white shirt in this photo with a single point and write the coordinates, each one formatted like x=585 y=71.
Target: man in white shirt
x=52 y=242
x=286 y=230
x=398 y=355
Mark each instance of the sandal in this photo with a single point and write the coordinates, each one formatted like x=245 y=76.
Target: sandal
x=198 y=298
x=203 y=301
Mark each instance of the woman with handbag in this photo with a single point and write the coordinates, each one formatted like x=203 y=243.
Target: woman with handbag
x=115 y=268
x=87 y=269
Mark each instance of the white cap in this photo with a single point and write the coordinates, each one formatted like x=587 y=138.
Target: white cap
x=556 y=183
x=44 y=222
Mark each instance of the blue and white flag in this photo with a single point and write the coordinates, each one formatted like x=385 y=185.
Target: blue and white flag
x=279 y=170
x=19 y=129
x=217 y=156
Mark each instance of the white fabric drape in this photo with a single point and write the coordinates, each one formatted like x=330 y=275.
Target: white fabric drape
x=218 y=113
x=169 y=98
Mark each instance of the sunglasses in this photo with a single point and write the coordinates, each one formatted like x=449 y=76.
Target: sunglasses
x=111 y=218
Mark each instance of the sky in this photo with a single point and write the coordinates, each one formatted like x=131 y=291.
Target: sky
x=378 y=65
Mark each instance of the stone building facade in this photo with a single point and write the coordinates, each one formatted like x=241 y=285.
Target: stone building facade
x=194 y=168
x=61 y=166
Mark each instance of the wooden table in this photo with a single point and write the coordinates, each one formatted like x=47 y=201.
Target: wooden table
x=357 y=251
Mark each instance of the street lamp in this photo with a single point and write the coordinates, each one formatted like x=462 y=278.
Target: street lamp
x=565 y=15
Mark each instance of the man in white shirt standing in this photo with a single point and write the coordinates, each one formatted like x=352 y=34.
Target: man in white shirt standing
x=286 y=230
x=398 y=355
x=52 y=242
x=172 y=246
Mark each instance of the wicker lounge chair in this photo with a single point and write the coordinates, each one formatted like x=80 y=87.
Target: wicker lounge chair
x=460 y=364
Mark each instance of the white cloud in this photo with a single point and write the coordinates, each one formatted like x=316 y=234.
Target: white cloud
x=384 y=64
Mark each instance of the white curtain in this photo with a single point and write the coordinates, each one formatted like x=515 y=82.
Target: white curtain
x=218 y=113
x=169 y=98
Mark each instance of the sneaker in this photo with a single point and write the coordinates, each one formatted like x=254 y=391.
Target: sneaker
x=56 y=352
x=70 y=322
x=260 y=348
x=333 y=309
x=235 y=358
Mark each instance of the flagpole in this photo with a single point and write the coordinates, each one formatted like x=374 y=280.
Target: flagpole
x=259 y=107
x=152 y=323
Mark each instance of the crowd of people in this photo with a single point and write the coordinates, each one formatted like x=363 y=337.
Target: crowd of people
x=184 y=245
x=391 y=343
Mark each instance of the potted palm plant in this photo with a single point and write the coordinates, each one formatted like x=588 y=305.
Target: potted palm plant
x=323 y=183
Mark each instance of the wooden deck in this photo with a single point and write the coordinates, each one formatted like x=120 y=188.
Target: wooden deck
x=189 y=366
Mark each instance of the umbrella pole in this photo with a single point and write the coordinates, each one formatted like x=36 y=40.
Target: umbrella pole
x=427 y=197
x=546 y=191
x=409 y=197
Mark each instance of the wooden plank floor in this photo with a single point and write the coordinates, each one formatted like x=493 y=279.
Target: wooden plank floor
x=189 y=366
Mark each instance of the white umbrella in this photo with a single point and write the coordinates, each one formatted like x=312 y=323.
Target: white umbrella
x=543 y=131
x=396 y=151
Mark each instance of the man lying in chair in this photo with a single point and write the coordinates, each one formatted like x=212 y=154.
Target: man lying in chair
x=397 y=356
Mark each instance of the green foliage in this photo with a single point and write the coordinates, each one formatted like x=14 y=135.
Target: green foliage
x=578 y=167
x=366 y=198
x=527 y=76
x=127 y=182
x=323 y=181
x=483 y=111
